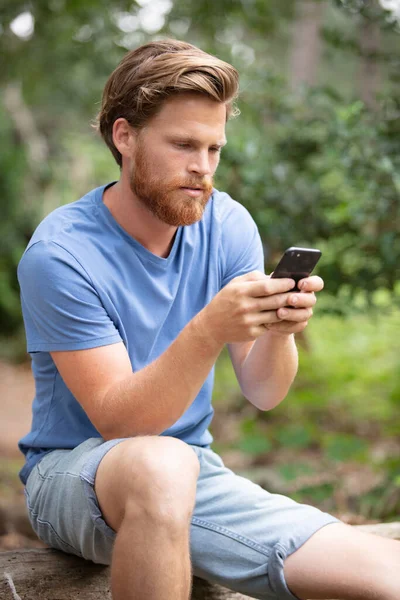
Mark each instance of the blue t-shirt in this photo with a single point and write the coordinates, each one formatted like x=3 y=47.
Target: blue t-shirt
x=85 y=282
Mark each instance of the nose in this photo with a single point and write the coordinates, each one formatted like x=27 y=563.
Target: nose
x=200 y=164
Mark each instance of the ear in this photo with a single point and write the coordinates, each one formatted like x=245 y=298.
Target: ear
x=124 y=137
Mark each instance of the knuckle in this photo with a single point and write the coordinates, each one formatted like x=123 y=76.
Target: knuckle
x=257 y=274
x=246 y=320
x=233 y=287
x=252 y=276
x=281 y=300
x=267 y=287
x=240 y=290
x=275 y=302
x=244 y=308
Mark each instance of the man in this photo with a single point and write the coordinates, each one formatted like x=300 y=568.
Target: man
x=129 y=295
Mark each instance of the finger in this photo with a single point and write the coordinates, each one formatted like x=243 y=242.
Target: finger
x=311 y=284
x=252 y=276
x=266 y=317
x=297 y=300
x=268 y=287
x=263 y=303
x=286 y=327
x=276 y=301
x=295 y=314
x=301 y=300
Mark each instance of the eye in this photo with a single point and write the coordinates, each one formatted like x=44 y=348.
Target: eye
x=216 y=150
x=182 y=145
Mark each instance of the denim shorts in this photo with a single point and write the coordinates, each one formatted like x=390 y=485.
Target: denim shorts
x=240 y=534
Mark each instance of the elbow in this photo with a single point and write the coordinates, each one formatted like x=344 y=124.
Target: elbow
x=264 y=398
x=267 y=394
x=265 y=402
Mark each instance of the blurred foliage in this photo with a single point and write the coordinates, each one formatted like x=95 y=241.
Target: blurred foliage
x=12 y=223
x=331 y=179
x=315 y=167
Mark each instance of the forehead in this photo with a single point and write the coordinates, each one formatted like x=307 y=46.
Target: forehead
x=191 y=114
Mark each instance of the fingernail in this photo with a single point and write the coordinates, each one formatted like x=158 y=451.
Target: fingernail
x=293 y=300
x=302 y=285
x=283 y=312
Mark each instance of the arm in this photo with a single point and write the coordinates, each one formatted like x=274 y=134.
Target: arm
x=265 y=382
x=121 y=403
x=65 y=316
x=267 y=367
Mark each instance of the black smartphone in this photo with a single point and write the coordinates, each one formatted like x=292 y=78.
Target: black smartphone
x=297 y=263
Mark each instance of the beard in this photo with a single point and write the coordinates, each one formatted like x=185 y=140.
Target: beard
x=164 y=198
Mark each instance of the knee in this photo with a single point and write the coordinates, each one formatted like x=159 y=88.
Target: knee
x=163 y=482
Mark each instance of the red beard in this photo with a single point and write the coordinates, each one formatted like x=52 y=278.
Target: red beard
x=165 y=199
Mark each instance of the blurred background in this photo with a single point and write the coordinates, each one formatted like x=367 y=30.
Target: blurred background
x=314 y=156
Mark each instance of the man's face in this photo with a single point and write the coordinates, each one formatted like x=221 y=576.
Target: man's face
x=176 y=156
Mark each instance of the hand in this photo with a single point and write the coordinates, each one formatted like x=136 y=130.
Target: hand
x=294 y=320
x=242 y=309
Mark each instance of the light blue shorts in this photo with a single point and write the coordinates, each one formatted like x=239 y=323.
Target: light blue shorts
x=240 y=534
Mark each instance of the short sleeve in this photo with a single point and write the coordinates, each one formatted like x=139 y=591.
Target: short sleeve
x=242 y=249
x=60 y=306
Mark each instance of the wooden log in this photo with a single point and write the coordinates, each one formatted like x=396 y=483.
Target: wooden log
x=45 y=574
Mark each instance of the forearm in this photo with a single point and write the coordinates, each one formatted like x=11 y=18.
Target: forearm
x=269 y=370
x=151 y=400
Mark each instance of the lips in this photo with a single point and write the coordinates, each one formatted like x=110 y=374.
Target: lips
x=193 y=192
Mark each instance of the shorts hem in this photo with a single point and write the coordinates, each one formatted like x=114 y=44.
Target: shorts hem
x=281 y=552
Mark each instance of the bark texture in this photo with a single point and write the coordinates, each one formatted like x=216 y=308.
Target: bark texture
x=306 y=44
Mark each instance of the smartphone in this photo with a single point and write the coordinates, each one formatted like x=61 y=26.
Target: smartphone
x=297 y=263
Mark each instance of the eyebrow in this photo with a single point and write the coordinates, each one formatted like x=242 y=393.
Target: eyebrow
x=195 y=141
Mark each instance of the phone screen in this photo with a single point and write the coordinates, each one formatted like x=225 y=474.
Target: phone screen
x=297 y=263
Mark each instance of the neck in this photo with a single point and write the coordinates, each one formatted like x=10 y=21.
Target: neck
x=133 y=216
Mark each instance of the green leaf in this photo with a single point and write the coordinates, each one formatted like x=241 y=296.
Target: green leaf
x=255 y=444
x=295 y=436
x=343 y=447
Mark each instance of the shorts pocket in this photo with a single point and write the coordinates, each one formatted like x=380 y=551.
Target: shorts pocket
x=46 y=532
x=42 y=504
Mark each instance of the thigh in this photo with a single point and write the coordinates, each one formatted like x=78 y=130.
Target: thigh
x=75 y=497
x=241 y=534
x=369 y=565
x=62 y=504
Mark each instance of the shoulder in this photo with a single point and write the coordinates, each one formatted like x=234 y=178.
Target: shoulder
x=58 y=237
x=67 y=221
x=227 y=208
x=235 y=220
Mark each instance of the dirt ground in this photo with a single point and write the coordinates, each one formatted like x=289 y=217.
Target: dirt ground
x=17 y=390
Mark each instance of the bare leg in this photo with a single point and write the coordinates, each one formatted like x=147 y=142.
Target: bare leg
x=146 y=489
x=149 y=561
x=339 y=561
